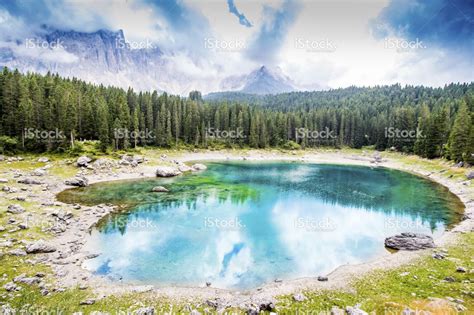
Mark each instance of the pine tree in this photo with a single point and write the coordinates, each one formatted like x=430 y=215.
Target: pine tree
x=460 y=136
x=103 y=124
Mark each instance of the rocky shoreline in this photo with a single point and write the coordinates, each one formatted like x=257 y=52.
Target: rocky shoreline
x=70 y=224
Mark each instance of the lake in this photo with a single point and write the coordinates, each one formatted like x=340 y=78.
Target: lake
x=239 y=225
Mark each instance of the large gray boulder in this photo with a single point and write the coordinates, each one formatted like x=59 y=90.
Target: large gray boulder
x=83 y=161
x=470 y=175
x=167 y=171
x=39 y=247
x=77 y=181
x=409 y=241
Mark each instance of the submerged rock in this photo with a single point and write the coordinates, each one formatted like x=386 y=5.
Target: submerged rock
x=167 y=171
x=77 y=181
x=199 y=167
x=184 y=168
x=159 y=189
x=409 y=241
x=39 y=247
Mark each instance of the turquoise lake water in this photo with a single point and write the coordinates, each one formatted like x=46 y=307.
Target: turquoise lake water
x=242 y=224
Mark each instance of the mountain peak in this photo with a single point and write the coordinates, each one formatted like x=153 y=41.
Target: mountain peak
x=263 y=80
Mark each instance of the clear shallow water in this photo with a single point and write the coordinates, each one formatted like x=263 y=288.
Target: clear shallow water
x=239 y=225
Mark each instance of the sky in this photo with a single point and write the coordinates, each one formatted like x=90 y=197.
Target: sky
x=318 y=44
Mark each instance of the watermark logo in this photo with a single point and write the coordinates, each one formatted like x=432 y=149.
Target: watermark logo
x=325 y=134
x=403 y=45
x=38 y=43
x=214 y=133
x=231 y=224
x=44 y=135
x=403 y=134
x=121 y=43
x=396 y=224
x=310 y=224
x=220 y=45
x=124 y=133
x=315 y=46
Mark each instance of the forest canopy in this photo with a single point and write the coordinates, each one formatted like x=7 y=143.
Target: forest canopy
x=50 y=113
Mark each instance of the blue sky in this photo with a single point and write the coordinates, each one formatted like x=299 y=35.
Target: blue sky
x=317 y=43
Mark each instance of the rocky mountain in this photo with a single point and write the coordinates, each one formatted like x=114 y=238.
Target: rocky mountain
x=105 y=57
x=261 y=81
x=102 y=57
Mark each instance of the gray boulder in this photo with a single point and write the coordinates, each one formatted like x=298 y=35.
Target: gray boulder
x=15 y=209
x=39 y=247
x=3 y=180
x=409 y=241
x=39 y=172
x=470 y=175
x=10 y=286
x=87 y=302
x=17 y=252
x=29 y=181
x=26 y=280
x=104 y=163
x=77 y=181
x=167 y=171
x=83 y=161
x=43 y=159
x=139 y=159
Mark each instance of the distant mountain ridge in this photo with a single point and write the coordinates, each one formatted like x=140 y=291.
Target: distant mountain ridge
x=101 y=57
x=105 y=57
